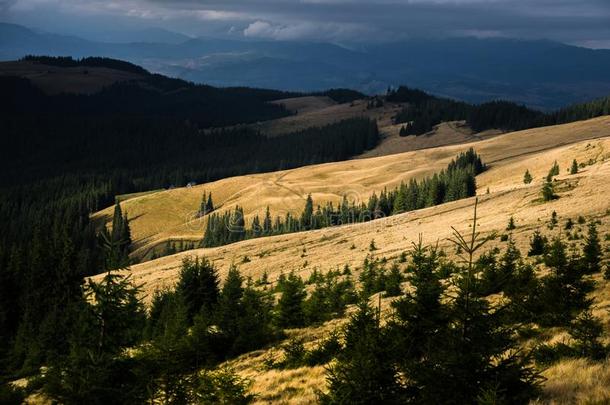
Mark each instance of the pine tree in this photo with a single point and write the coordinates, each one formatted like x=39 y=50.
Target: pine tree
x=527 y=177
x=267 y=226
x=398 y=204
x=315 y=307
x=574 y=167
x=372 y=246
x=111 y=319
x=419 y=322
x=548 y=191
x=538 y=244
x=198 y=285
x=307 y=215
x=477 y=343
x=564 y=292
x=592 y=251
x=554 y=221
x=256 y=230
x=202 y=208
x=364 y=372
x=290 y=305
x=255 y=321
x=168 y=356
x=209 y=205
x=587 y=332
x=553 y=172
x=511 y=224
x=120 y=237
x=393 y=282
x=229 y=305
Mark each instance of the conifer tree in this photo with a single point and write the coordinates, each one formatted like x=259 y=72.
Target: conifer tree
x=538 y=244
x=527 y=177
x=168 y=356
x=209 y=205
x=202 y=205
x=418 y=326
x=229 y=305
x=307 y=215
x=478 y=342
x=113 y=318
x=255 y=322
x=548 y=191
x=592 y=251
x=290 y=305
x=267 y=226
x=256 y=230
x=574 y=167
x=511 y=224
x=553 y=172
x=120 y=237
x=554 y=221
x=393 y=282
x=315 y=307
x=564 y=293
x=587 y=332
x=198 y=285
x=364 y=372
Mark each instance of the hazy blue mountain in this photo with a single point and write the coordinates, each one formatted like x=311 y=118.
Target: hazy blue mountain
x=154 y=34
x=541 y=74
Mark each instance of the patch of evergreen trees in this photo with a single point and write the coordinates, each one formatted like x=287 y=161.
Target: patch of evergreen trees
x=457 y=181
x=424 y=111
x=447 y=342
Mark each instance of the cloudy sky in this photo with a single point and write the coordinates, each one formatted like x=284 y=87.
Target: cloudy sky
x=583 y=22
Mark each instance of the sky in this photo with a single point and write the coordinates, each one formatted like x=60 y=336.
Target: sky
x=580 y=22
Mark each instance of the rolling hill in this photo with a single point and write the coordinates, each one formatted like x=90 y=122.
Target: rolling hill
x=501 y=193
x=171 y=214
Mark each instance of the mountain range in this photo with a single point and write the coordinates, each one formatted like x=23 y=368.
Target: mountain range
x=541 y=74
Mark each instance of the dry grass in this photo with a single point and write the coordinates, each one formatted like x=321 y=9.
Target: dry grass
x=570 y=381
x=56 y=79
x=289 y=386
x=446 y=133
x=302 y=105
x=314 y=113
x=169 y=214
x=577 y=381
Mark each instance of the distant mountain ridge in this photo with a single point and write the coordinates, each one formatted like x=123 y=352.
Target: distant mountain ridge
x=540 y=74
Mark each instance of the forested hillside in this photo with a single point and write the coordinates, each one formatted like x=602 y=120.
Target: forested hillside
x=64 y=156
x=424 y=111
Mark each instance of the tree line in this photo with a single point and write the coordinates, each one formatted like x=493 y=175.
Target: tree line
x=425 y=111
x=457 y=181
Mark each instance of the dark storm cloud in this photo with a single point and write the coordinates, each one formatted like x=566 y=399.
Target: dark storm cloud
x=575 y=21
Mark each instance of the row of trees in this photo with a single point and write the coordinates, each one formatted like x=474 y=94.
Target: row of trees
x=454 y=183
x=425 y=111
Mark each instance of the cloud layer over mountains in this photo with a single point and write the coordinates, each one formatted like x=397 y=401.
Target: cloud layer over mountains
x=584 y=22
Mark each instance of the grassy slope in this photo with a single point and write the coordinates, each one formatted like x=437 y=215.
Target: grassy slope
x=55 y=79
x=570 y=381
x=168 y=214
